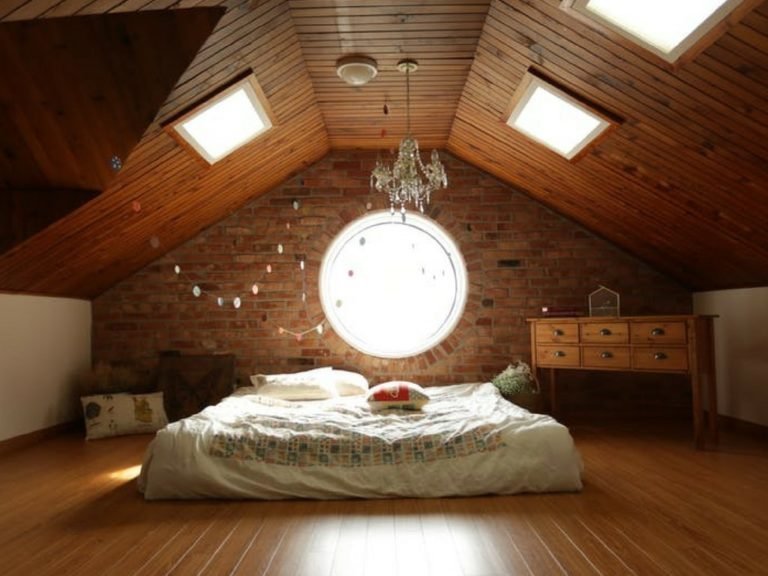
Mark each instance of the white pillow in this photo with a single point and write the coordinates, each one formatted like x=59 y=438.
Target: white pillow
x=261 y=379
x=118 y=414
x=349 y=383
x=308 y=385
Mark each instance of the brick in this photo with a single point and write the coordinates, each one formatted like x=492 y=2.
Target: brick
x=560 y=264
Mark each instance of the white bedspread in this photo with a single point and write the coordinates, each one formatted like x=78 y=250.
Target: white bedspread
x=466 y=441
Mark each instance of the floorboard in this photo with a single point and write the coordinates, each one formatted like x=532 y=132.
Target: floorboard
x=651 y=505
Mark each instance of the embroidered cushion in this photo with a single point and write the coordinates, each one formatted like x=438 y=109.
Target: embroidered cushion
x=399 y=395
x=119 y=414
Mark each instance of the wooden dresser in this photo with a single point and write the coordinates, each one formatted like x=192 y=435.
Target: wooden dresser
x=675 y=344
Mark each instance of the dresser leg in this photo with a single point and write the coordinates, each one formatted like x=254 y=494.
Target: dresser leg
x=553 y=399
x=711 y=407
x=711 y=375
x=698 y=411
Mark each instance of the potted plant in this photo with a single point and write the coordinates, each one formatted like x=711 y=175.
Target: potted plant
x=518 y=385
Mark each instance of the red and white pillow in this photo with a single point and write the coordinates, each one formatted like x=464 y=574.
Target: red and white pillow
x=397 y=395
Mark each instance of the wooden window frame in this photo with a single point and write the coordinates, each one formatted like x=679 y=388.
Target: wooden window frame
x=261 y=104
x=706 y=34
x=533 y=76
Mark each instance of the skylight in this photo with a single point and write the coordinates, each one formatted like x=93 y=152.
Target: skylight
x=667 y=28
x=553 y=118
x=226 y=122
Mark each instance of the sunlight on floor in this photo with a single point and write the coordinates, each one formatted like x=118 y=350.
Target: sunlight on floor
x=129 y=473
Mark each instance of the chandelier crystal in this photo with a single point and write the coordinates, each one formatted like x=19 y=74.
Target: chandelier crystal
x=409 y=181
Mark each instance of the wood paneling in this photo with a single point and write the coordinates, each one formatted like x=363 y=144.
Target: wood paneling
x=78 y=91
x=24 y=213
x=650 y=505
x=441 y=36
x=681 y=184
x=162 y=196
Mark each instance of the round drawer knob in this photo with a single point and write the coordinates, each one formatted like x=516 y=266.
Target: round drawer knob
x=606 y=355
x=659 y=356
x=657 y=332
x=557 y=332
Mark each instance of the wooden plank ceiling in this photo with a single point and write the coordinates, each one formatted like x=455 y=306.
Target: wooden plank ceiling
x=76 y=97
x=441 y=36
x=682 y=183
x=163 y=195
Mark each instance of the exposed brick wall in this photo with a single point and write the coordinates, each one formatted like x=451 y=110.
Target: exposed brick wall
x=560 y=263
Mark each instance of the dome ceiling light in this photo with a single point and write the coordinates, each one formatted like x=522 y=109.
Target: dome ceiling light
x=356 y=70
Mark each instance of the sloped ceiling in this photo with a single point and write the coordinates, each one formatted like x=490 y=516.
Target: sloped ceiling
x=682 y=183
x=76 y=95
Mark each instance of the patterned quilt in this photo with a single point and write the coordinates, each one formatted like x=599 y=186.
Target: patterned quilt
x=288 y=443
x=466 y=440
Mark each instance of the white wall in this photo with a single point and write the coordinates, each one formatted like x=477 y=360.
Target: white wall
x=741 y=350
x=44 y=344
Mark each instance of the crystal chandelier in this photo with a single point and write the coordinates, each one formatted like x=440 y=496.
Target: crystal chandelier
x=408 y=180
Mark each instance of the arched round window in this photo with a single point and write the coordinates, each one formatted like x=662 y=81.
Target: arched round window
x=391 y=288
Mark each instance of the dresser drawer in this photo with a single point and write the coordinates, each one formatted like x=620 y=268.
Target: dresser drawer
x=554 y=332
x=659 y=359
x=659 y=332
x=605 y=332
x=557 y=356
x=614 y=357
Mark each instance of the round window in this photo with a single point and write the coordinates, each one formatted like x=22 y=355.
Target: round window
x=391 y=288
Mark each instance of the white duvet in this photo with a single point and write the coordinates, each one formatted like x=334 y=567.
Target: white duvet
x=467 y=440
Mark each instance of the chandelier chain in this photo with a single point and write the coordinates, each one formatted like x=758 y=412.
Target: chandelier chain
x=408 y=100
x=408 y=180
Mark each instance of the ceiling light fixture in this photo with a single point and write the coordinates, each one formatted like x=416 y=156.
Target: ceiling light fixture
x=408 y=180
x=356 y=70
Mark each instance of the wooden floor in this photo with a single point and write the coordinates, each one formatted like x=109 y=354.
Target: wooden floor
x=651 y=505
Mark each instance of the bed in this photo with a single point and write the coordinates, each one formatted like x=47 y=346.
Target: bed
x=467 y=440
